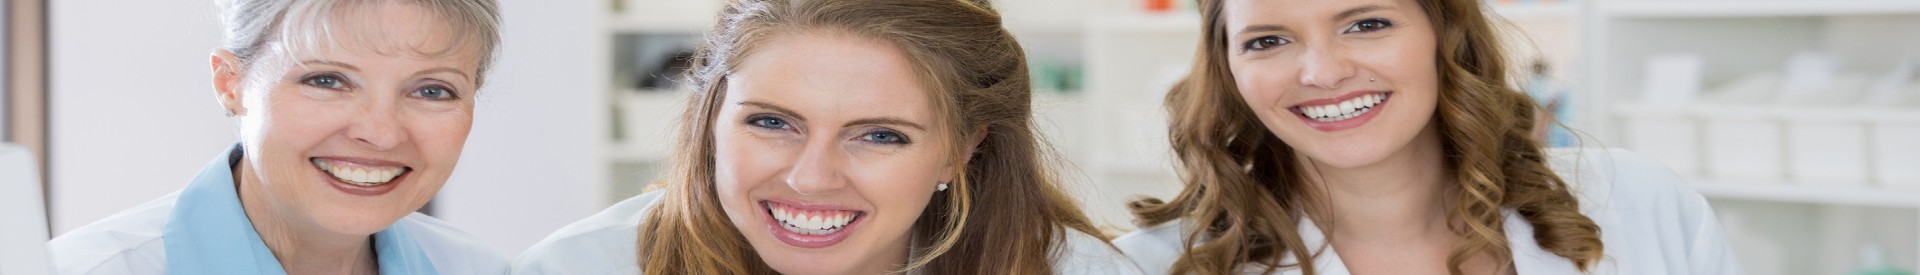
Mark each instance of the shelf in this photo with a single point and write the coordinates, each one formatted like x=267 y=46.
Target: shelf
x=1805 y=192
x=1754 y=8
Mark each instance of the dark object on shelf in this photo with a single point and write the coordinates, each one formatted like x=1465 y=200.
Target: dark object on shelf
x=665 y=75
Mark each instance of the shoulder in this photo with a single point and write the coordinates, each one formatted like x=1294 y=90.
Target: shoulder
x=1651 y=220
x=1621 y=179
x=1082 y=253
x=1154 y=248
x=600 y=244
x=453 y=251
x=128 y=242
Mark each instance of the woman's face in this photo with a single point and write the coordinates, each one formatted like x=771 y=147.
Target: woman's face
x=350 y=139
x=826 y=153
x=1345 y=82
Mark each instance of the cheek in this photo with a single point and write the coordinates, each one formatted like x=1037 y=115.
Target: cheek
x=742 y=164
x=1262 y=83
x=902 y=183
x=440 y=135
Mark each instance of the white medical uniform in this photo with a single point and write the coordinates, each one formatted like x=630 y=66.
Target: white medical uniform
x=202 y=230
x=1650 y=222
x=605 y=244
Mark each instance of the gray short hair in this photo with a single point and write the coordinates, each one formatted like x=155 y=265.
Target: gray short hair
x=250 y=25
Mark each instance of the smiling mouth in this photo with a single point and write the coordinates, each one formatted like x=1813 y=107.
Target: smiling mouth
x=1343 y=110
x=811 y=222
x=359 y=174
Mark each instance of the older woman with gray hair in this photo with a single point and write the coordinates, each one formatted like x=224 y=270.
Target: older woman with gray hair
x=351 y=115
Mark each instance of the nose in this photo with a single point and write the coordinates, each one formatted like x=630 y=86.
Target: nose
x=818 y=169
x=379 y=125
x=1325 y=66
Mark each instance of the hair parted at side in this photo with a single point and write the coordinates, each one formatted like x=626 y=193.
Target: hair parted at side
x=1002 y=215
x=1245 y=192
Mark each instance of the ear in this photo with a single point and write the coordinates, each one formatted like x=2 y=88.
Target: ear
x=226 y=81
x=973 y=145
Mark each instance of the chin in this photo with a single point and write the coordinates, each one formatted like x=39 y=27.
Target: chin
x=789 y=262
x=358 y=221
x=1350 y=152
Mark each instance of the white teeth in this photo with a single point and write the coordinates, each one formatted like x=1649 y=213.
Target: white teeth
x=811 y=222
x=358 y=175
x=1344 y=110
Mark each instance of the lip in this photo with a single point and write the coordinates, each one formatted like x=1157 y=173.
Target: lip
x=367 y=191
x=809 y=241
x=1351 y=123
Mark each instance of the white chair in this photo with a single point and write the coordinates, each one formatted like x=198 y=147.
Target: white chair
x=23 y=215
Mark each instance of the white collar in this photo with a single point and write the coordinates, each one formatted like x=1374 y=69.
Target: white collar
x=1528 y=258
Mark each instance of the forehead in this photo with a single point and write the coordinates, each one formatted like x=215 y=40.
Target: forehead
x=1245 y=12
x=835 y=75
x=383 y=29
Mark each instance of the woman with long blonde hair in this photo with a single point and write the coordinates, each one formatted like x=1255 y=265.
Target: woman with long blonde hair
x=1382 y=137
x=848 y=137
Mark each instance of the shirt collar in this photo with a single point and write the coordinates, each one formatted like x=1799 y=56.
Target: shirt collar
x=209 y=233
x=1528 y=257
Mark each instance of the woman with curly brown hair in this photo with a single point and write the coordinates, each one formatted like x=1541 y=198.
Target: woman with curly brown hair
x=1382 y=137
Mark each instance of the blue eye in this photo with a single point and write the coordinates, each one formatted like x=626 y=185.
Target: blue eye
x=1369 y=25
x=325 y=81
x=435 y=92
x=1263 y=43
x=767 y=122
x=885 y=137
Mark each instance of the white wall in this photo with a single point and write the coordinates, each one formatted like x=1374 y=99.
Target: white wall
x=133 y=118
x=534 y=161
x=131 y=109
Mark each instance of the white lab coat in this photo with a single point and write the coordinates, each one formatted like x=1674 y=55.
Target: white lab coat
x=1650 y=222
x=604 y=244
x=208 y=232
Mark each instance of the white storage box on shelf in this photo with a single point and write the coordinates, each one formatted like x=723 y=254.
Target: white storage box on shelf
x=1659 y=124
x=1742 y=138
x=1669 y=135
x=1894 y=132
x=1826 y=141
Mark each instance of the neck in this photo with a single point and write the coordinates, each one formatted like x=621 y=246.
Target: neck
x=301 y=247
x=1400 y=198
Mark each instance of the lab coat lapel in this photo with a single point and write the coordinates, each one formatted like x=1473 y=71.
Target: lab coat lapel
x=1528 y=258
x=1327 y=262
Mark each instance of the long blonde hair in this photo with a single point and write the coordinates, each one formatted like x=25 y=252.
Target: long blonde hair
x=1245 y=191
x=979 y=76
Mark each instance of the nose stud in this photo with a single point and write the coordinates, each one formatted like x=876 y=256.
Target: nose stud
x=1369 y=80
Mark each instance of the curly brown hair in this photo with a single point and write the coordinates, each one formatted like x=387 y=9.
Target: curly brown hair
x=1245 y=190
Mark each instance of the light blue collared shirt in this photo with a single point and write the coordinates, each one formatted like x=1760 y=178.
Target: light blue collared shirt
x=203 y=230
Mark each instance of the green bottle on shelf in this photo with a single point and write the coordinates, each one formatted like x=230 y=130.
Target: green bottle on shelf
x=1874 y=262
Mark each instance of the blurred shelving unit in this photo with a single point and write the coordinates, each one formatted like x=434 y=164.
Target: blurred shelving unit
x=647 y=34
x=1735 y=43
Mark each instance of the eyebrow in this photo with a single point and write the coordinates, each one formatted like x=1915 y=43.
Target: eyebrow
x=775 y=108
x=330 y=63
x=1358 y=10
x=1342 y=15
x=886 y=121
x=1262 y=28
x=863 y=121
x=440 y=70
